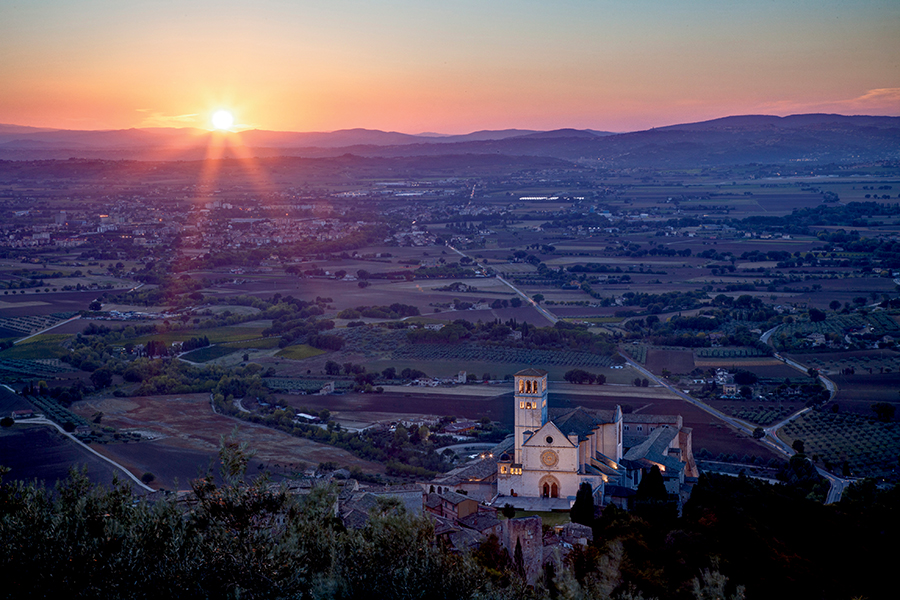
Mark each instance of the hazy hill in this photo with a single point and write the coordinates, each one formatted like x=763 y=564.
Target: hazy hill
x=815 y=138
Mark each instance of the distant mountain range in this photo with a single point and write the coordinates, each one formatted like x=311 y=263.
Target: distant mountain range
x=816 y=138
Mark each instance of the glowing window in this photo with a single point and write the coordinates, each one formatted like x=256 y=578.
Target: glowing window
x=521 y=405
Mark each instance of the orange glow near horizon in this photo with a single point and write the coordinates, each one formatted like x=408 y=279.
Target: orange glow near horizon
x=416 y=66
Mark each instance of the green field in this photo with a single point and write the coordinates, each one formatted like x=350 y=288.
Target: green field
x=41 y=346
x=202 y=355
x=216 y=335
x=260 y=344
x=299 y=352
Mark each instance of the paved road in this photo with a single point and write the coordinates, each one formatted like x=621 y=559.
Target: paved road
x=544 y=312
x=838 y=484
x=736 y=423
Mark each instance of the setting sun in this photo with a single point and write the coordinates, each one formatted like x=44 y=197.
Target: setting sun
x=222 y=119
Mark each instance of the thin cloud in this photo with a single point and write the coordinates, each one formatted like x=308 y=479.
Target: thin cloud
x=879 y=96
x=874 y=101
x=158 y=119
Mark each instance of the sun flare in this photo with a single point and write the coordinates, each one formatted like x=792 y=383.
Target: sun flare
x=222 y=119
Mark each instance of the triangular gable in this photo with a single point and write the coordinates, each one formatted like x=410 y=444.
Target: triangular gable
x=539 y=438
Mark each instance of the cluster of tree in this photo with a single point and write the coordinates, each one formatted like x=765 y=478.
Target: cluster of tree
x=775 y=539
x=577 y=221
x=652 y=303
x=64 y=396
x=448 y=271
x=581 y=376
x=561 y=336
x=394 y=311
x=852 y=214
x=594 y=268
x=194 y=343
x=323 y=342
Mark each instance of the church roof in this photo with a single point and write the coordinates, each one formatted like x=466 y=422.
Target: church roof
x=450 y=497
x=656 y=448
x=476 y=470
x=532 y=372
x=674 y=420
x=507 y=445
x=581 y=421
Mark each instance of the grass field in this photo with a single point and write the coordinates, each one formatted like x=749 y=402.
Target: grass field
x=41 y=346
x=216 y=335
x=202 y=355
x=260 y=344
x=299 y=352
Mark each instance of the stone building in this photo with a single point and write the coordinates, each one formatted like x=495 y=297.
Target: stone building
x=551 y=453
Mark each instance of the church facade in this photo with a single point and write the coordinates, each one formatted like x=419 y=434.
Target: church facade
x=551 y=453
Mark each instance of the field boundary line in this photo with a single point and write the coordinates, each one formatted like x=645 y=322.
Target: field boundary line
x=69 y=320
x=46 y=421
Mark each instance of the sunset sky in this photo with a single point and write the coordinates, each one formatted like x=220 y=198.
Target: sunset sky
x=442 y=66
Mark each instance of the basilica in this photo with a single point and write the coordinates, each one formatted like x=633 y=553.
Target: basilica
x=553 y=452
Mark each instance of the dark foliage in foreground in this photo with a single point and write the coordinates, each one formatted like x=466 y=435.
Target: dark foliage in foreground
x=254 y=540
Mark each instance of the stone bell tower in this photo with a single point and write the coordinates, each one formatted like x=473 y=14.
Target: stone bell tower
x=530 y=408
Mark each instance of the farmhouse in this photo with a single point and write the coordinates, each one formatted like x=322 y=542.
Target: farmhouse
x=552 y=453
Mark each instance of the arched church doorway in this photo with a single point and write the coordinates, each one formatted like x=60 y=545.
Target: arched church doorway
x=548 y=487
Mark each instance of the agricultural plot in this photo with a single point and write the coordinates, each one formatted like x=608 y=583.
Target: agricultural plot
x=674 y=360
x=202 y=355
x=56 y=412
x=258 y=344
x=40 y=452
x=184 y=425
x=880 y=323
x=638 y=353
x=47 y=367
x=287 y=385
x=498 y=354
x=26 y=325
x=861 y=361
x=760 y=414
x=37 y=348
x=857 y=393
x=216 y=335
x=299 y=352
x=762 y=366
x=720 y=353
x=870 y=448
